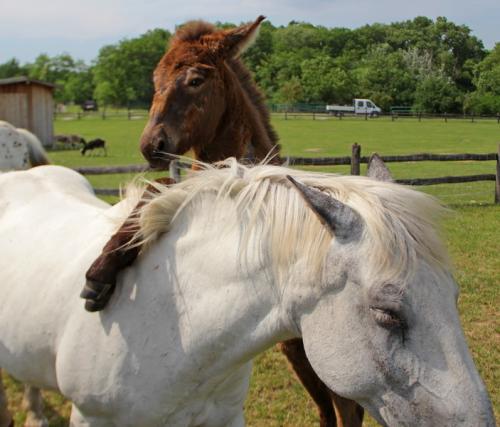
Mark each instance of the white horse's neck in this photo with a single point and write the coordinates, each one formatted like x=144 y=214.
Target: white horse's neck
x=225 y=297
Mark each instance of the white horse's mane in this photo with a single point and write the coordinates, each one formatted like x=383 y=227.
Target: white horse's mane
x=400 y=222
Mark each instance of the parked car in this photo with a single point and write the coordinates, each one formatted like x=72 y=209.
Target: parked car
x=359 y=106
x=89 y=105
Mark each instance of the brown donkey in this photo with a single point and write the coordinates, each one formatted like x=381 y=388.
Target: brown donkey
x=205 y=100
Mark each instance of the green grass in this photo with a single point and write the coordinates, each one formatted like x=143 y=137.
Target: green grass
x=275 y=398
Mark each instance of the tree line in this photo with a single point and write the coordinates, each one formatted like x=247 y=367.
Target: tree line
x=432 y=66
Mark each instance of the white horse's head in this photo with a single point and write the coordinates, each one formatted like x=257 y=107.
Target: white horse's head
x=385 y=330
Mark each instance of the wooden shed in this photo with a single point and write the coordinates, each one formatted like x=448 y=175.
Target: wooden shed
x=29 y=104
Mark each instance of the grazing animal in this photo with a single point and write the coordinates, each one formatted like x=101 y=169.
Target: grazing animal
x=20 y=149
x=70 y=141
x=252 y=256
x=97 y=143
x=205 y=100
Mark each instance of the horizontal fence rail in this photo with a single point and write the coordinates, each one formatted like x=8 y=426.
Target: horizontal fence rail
x=314 y=112
x=421 y=157
x=446 y=179
x=315 y=115
x=354 y=160
x=110 y=170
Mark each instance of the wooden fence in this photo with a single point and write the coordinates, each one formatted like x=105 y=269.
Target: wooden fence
x=355 y=160
x=394 y=116
x=289 y=114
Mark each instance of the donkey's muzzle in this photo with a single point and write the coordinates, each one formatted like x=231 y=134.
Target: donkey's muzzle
x=156 y=147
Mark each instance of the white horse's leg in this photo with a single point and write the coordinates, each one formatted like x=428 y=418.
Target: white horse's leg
x=77 y=419
x=33 y=405
x=5 y=417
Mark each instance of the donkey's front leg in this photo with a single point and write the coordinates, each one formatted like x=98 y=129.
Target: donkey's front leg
x=5 y=417
x=33 y=405
x=296 y=355
x=116 y=255
x=101 y=276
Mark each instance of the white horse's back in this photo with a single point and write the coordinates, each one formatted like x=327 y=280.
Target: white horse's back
x=31 y=203
x=112 y=363
x=20 y=149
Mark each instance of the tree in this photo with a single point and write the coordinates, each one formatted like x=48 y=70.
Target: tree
x=393 y=64
x=104 y=94
x=486 y=98
x=323 y=81
x=124 y=71
x=12 y=68
x=59 y=70
x=437 y=94
x=79 y=86
x=385 y=78
x=277 y=70
x=291 y=92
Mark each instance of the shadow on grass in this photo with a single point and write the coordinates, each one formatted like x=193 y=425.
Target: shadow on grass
x=54 y=416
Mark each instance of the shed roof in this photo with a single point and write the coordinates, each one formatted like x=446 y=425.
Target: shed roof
x=25 y=80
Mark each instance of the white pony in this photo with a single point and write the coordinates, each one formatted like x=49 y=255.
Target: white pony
x=19 y=149
x=251 y=257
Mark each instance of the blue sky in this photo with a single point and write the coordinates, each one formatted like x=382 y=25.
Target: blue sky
x=30 y=27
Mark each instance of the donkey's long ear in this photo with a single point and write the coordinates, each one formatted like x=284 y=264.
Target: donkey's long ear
x=341 y=220
x=378 y=170
x=232 y=43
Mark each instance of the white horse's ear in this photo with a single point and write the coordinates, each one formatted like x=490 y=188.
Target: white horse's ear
x=341 y=220
x=235 y=41
x=378 y=170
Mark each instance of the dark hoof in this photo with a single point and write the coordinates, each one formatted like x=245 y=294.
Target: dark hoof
x=96 y=294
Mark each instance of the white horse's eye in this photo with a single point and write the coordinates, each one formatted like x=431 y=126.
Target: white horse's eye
x=387 y=318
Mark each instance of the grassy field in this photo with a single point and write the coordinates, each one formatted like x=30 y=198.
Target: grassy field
x=276 y=399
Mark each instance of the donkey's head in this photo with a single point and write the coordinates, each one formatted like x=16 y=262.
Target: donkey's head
x=192 y=92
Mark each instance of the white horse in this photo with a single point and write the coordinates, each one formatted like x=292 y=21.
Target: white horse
x=252 y=257
x=19 y=149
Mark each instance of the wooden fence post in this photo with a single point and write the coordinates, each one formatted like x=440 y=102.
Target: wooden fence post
x=355 y=159
x=497 y=179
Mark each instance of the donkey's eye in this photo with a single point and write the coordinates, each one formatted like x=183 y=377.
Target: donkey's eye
x=195 y=82
x=387 y=318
